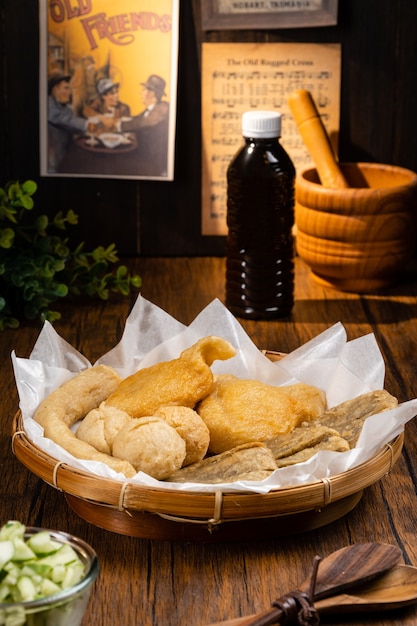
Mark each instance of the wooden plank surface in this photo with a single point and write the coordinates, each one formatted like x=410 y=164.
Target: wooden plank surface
x=162 y=583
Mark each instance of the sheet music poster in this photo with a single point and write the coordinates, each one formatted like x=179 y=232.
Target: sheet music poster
x=241 y=77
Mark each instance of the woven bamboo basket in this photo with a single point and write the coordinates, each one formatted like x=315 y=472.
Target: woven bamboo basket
x=140 y=511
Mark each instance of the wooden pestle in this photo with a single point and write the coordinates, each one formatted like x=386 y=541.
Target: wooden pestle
x=316 y=139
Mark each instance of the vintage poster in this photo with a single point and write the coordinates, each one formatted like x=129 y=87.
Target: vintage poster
x=107 y=85
x=239 y=77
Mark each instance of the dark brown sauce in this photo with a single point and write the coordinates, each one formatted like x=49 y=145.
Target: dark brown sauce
x=260 y=217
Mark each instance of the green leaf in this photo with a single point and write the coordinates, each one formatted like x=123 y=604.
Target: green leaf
x=22 y=270
x=61 y=249
x=8 y=212
x=61 y=290
x=106 y=254
x=60 y=220
x=30 y=290
x=8 y=322
x=29 y=187
x=38 y=266
x=72 y=218
x=121 y=272
x=20 y=195
x=13 y=189
x=136 y=281
x=41 y=224
x=50 y=316
x=25 y=201
x=6 y=237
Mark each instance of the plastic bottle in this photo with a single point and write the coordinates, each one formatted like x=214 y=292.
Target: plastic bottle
x=260 y=217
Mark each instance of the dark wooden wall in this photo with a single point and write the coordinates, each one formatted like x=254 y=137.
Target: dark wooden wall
x=378 y=121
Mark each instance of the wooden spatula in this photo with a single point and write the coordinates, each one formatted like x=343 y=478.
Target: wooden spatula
x=342 y=570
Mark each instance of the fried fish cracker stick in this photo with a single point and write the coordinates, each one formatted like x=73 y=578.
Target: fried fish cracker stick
x=71 y=402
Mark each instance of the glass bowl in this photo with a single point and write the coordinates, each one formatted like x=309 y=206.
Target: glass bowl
x=65 y=608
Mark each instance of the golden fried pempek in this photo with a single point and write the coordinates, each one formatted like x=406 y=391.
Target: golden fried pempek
x=240 y=411
x=183 y=381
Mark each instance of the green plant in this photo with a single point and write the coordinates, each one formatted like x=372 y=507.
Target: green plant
x=38 y=266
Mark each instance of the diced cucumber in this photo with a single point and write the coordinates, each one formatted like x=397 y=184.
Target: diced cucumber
x=28 y=571
x=12 y=529
x=73 y=574
x=64 y=556
x=39 y=541
x=22 y=552
x=48 y=587
x=11 y=578
x=58 y=573
x=26 y=588
x=6 y=552
x=13 y=617
x=40 y=569
x=4 y=592
x=42 y=544
x=34 y=568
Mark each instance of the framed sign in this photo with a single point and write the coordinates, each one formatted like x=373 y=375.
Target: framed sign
x=107 y=88
x=229 y=14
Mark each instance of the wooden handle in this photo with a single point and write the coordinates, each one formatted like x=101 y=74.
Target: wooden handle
x=338 y=572
x=316 y=139
x=257 y=619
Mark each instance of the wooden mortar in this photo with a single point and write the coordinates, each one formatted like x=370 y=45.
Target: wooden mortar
x=356 y=222
x=358 y=239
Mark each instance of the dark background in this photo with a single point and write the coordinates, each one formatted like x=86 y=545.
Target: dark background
x=378 y=121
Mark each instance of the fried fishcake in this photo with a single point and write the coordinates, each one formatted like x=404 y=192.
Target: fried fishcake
x=300 y=438
x=349 y=416
x=190 y=427
x=335 y=443
x=303 y=443
x=252 y=461
x=239 y=411
x=182 y=381
x=100 y=426
x=69 y=403
x=151 y=446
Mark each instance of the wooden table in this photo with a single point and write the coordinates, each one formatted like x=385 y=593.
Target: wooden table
x=163 y=583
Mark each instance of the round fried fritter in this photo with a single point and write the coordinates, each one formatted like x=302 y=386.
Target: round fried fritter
x=100 y=426
x=190 y=427
x=151 y=446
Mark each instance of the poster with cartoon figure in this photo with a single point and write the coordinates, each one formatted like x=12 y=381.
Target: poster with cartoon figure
x=108 y=86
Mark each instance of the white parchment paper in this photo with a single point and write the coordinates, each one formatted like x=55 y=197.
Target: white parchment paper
x=343 y=369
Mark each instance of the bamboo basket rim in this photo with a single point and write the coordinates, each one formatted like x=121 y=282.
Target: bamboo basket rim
x=196 y=506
